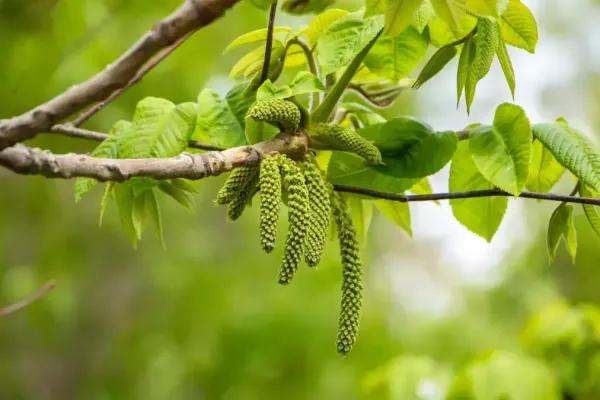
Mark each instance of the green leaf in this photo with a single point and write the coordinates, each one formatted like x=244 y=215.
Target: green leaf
x=486 y=43
x=215 y=123
x=138 y=212
x=124 y=200
x=183 y=197
x=502 y=153
x=239 y=99
x=507 y=67
x=394 y=57
x=467 y=56
x=252 y=62
x=399 y=14
x=375 y=7
x=258 y=131
x=153 y=211
x=108 y=188
x=518 y=26
x=269 y=91
x=502 y=375
x=410 y=151
x=436 y=63
x=571 y=149
x=256 y=36
x=482 y=216
x=321 y=22
x=592 y=213
x=397 y=212
x=366 y=116
x=424 y=14
x=305 y=82
x=493 y=8
x=451 y=12
x=109 y=148
x=344 y=39
x=422 y=187
x=361 y=212
x=562 y=226
x=544 y=171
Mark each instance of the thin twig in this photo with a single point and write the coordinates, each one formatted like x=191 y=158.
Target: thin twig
x=269 y=45
x=71 y=131
x=136 y=79
x=28 y=300
x=409 y=198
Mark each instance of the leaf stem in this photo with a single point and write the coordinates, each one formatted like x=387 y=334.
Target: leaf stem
x=313 y=67
x=325 y=110
x=408 y=198
x=269 y=44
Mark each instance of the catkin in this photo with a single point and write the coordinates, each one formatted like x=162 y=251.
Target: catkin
x=247 y=190
x=276 y=110
x=320 y=211
x=352 y=280
x=298 y=211
x=270 y=201
x=349 y=140
x=233 y=185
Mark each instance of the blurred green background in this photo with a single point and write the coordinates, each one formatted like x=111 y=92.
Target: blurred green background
x=205 y=319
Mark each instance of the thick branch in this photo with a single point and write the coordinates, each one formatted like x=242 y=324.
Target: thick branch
x=191 y=15
x=29 y=161
x=409 y=198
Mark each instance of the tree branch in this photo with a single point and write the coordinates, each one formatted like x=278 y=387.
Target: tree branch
x=30 y=161
x=71 y=131
x=28 y=300
x=410 y=198
x=190 y=16
x=269 y=43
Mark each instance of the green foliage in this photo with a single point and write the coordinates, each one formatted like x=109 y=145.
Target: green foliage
x=216 y=123
x=591 y=212
x=562 y=226
x=399 y=15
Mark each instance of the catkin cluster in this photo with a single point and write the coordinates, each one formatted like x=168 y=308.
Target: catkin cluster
x=238 y=190
x=274 y=110
x=298 y=212
x=270 y=201
x=349 y=140
x=352 y=276
x=320 y=211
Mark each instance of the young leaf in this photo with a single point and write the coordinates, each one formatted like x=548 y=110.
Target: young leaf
x=451 y=12
x=507 y=67
x=239 y=99
x=571 y=149
x=562 y=226
x=518 y=26
x=486 y=43
x=153 y=211
x=108 y=188
x=215 y=123
x=181 y=196
x=592 y=213
x=138 y=213
x=467 y=56
x=544 y=170
x=109 y=148
x=502 y=153
x=366 y=116
x=436 y=63
x=399 y=14
x=422 y=187
x=344 y=39
x=424 y=14
x=375 y=7
x=124 y=200
x=269 y=91
x=481 y=216
x=492 y=8
x=255 y=56
x=397 y=212
x=321 y=22
x=361 y=212
x=256 y=36
x=305 y=82
x=394 y=57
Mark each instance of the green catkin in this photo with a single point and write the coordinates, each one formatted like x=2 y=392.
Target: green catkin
x=233 y=185
x=247 y=190
x=298 y=211
x=350 y=140
x=320 y=210
x=352 y=276
x=270 y=201
x=276 y=110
